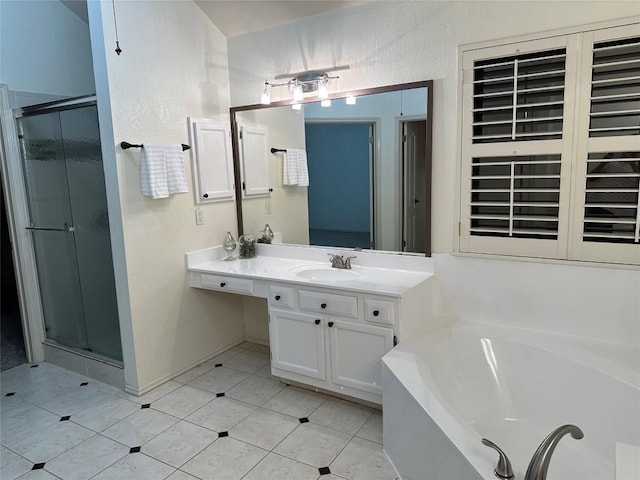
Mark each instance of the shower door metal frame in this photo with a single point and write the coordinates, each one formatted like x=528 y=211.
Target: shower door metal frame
x=18 y=217
x=24 y=259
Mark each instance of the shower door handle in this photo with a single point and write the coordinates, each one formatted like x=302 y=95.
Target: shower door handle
x=66 y=228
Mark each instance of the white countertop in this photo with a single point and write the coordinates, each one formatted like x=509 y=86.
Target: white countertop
x=273 y=264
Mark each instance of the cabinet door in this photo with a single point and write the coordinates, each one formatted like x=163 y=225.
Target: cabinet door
x=254 y=160
x=297 y=343
x=355 y=351
x=213 y=161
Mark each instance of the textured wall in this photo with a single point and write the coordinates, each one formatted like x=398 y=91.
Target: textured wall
x=386 y=43
x=173 y=65
x=45 y=49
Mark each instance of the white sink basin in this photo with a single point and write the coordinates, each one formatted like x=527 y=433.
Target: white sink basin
x=326 y=274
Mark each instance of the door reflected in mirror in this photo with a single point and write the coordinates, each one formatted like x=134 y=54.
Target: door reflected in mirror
x=368 y=167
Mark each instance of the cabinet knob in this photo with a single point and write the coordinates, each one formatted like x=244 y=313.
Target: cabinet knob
x=330 y=324
x=206 y=195
x=317 y=321
x=323 y=305
x=277 y=297
x=222 y=284
x=376 y=313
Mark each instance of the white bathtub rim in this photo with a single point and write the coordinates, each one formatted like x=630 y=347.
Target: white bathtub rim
x=401 y=361
x=456 y=429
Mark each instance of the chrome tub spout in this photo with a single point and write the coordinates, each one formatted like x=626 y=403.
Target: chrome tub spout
x=540 y=462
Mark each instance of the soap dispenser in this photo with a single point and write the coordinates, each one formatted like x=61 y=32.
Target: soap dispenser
x=267 y=234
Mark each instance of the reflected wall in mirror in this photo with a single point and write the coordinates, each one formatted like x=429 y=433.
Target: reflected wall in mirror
x=368 y=164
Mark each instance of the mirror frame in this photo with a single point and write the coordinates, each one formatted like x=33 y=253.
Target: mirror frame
x=357 y=93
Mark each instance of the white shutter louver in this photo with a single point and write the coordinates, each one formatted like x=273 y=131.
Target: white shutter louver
x=519 y=97
x=612 y=184
x=515 y=196
x=615 y=88
x=611 y=198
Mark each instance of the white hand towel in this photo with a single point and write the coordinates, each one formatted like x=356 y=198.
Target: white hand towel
x=162 y=170
x=153 y=172
x=176 y=177
x=290 y=167
x=303 y=169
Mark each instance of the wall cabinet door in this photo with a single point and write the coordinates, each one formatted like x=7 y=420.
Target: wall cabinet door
x=355 y=351
x=254 y=160
x=212 y=160
x=297 y=343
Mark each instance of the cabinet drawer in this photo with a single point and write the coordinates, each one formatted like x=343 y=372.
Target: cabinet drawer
x=379 y=311
x=328 y=303
x=226 y=284
x=281 y=296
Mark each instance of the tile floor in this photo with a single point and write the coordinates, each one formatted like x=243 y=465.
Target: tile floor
x=227 y=419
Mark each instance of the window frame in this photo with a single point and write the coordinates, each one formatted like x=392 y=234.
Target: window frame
x=572 y=147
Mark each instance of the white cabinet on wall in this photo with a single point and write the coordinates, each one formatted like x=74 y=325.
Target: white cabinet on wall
x=212 y=160
x=254 y=161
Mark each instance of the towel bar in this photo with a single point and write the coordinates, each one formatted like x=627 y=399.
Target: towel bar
x=127 y=145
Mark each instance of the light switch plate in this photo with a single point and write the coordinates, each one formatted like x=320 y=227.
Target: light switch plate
x=199 y=217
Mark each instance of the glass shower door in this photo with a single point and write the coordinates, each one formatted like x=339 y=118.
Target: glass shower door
x=70 y=226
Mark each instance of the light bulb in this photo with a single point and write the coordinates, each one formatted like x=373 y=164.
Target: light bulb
x=325 y=103
x=297 y=106
x=351 y=100
x=323 y=91
x=297 y=93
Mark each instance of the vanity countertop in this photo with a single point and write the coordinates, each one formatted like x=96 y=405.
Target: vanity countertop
x=291 y=264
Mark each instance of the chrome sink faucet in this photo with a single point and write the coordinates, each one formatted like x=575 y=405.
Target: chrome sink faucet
x=337 y=261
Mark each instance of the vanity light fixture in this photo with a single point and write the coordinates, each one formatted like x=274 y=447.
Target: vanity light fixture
x=265 y=99
x=301 y=84
x=350 y=100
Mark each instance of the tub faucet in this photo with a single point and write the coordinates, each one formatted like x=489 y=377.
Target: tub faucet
x=503 y=469
x=540 y=462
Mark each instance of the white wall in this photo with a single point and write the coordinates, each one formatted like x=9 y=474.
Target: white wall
x=44 y=49
x=386 y=43
x=173 y=65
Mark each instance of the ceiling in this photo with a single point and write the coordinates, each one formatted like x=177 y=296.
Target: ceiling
x=237 y=17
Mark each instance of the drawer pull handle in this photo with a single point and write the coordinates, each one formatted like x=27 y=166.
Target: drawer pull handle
x=376 y=313
x=317 y=321
x=222 y=284
x=330 y=324
x=277 y=297
x=323 y=305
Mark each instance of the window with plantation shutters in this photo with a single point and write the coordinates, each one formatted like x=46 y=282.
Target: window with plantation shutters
x=550 y=143
x=518 y=98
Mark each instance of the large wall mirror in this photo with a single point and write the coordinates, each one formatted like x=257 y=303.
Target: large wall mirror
x=368 y=169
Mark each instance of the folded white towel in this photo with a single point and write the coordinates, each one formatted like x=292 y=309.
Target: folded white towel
x=176 y=176
x=162 y=170
x=303 y=169
x=290 y=167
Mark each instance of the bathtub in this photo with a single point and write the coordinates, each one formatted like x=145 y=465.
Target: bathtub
x=446 y=391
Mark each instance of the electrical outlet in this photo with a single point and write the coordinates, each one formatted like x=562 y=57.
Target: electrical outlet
x=199 y=217
x=267 y=206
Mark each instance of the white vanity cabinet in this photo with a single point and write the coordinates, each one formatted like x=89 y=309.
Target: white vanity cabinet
x=326 y=339
x=332 y=331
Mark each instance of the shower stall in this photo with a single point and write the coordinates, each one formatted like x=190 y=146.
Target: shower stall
x=69 y=225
